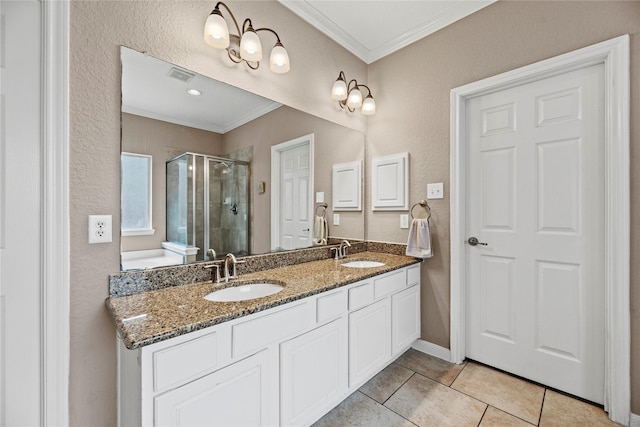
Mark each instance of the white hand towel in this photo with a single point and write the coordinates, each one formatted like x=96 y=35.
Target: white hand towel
x=319 y=236
x=419 y=241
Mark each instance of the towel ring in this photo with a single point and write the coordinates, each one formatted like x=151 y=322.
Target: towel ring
x=323 y=212
x=426 y=211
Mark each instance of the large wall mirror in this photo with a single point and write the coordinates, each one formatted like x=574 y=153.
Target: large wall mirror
x=202 y=162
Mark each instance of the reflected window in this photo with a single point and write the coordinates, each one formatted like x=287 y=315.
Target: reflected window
x=135 y=199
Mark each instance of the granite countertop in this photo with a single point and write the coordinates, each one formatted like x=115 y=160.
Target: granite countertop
x=154 y=316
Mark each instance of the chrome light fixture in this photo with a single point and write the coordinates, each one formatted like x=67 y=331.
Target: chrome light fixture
x=245 y=46
x=349 y=95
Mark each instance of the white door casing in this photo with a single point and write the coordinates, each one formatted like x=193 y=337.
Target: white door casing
x=535 y=195
x=292 y=177
x=614 y=55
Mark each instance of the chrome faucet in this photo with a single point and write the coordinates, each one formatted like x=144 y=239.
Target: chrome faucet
x=215 y=275
x=343 y=248
x=230 y=258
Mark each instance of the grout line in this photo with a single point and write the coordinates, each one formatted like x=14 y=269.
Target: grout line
x=483 y=414
x=463 y=368
x=544 y=397
x=392 y=394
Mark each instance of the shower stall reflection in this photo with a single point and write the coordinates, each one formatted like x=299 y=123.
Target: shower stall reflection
x=208 y=204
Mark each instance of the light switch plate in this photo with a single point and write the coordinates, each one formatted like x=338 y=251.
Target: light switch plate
x=404 y=221
x=435 y=191
x=336 y=219
x=320 y=197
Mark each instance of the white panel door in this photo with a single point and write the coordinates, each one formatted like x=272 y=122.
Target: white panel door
x=535 y=295
x=295 y=190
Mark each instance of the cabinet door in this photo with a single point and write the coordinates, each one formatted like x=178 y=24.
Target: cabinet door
x=405 y=311
x=237 y=395
x=313 y=373
x=369 y=340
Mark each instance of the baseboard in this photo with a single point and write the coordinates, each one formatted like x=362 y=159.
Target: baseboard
x=634 y=420
x=432 y=349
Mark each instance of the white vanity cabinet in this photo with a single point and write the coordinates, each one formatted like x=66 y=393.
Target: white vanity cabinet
x=313 y=373
x=369 y=341
x=287 y=365
x=214 y=400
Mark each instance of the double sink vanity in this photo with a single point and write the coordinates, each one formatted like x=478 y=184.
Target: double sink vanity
x=189 y=356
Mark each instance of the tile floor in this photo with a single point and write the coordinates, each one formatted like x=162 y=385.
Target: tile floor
x=421 y=390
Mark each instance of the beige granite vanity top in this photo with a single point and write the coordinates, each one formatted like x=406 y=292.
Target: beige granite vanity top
x=154 y=316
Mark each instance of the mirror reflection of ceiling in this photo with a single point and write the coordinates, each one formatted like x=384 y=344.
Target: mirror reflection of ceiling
x=158 y=90
x=374 y=29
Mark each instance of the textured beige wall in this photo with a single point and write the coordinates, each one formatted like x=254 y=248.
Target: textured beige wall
x=163 y=141
x=333 y=144
x=412 y=90
x=172 y=31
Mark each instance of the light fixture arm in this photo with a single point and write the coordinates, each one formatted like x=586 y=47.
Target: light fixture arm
x=234 y=50
x=216 y=10
x=349 y=95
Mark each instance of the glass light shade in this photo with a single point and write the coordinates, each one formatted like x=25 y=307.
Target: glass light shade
x=216 y=32
x=339 y=90
x=250 y=47
x=368 y=106
x=354 y=100
x=279 y=60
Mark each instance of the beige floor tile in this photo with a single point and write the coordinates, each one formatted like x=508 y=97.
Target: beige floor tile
x=383 y=385
x=431 y=367
x=561 y=410
x=496 y=418
x=512 y=395
x=428 y=403
x=360 y=410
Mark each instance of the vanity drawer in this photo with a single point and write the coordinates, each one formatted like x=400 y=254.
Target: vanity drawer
x=413 y=275
x=182 y=362
x=360 y=295
x=256 y=333
x=330 y=306
x=390 y=283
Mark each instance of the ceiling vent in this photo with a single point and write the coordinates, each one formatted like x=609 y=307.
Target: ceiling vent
x=182 y=75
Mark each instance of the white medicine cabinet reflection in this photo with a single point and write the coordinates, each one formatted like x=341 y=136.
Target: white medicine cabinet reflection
x=347 y=186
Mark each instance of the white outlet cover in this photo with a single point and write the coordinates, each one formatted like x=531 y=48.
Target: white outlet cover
x=435 y=191
x=336 y=219
x=404 y=221
x=320 y=197
x=100 y=230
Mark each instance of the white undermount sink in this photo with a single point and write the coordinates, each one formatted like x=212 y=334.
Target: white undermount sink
x=362 y=264
x=244 y=292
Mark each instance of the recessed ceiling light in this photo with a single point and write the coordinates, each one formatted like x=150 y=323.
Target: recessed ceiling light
x=194 y=92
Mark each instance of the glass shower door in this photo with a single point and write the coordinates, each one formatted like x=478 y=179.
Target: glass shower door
x=228 y=208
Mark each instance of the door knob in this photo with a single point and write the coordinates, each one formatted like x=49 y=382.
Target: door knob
x=474 y=241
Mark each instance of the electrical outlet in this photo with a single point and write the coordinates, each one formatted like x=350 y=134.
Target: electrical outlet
x=435 y=191
x=404 y=221
x=100 y=229
x=336 y=219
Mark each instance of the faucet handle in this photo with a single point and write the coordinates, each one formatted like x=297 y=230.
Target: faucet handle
x=217 y=273
x=337 y=251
